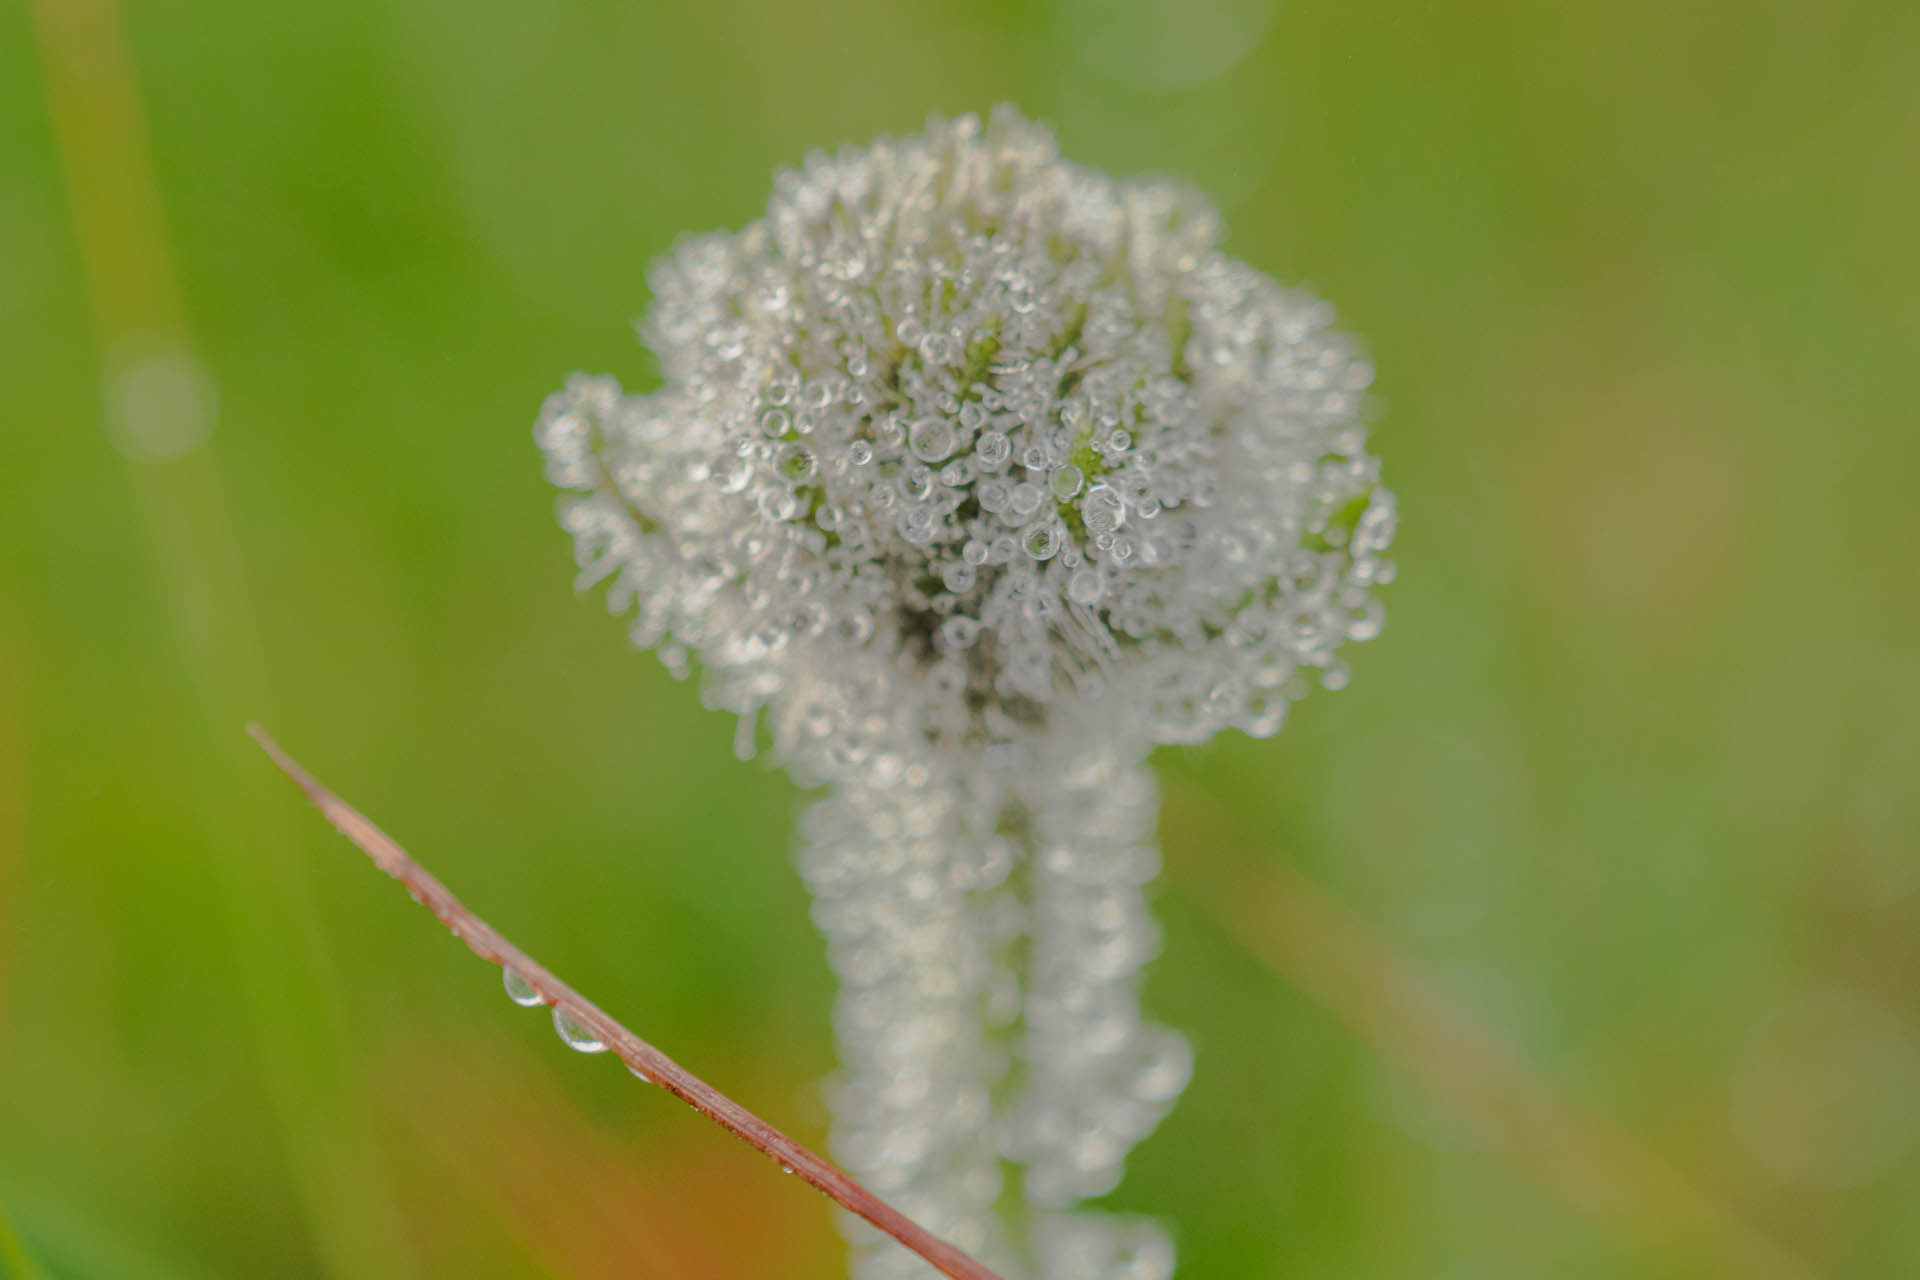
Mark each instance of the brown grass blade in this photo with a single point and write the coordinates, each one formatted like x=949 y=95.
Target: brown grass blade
x=642 y=1058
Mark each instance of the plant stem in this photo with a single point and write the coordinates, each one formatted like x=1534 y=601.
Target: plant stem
x=642 y=1058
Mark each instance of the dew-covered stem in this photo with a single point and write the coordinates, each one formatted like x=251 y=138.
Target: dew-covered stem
x=640 y=1057
x=988 y=925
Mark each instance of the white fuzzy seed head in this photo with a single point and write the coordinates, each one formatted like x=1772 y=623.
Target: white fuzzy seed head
x=960 y=440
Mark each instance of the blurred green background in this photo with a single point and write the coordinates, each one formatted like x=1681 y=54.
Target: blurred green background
x=1626 y=792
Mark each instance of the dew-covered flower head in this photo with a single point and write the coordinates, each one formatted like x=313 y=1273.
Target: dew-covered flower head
x=961 y=440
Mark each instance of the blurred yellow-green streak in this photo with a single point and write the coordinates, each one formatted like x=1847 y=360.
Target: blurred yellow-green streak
x=1307 y=937
x=281 y=970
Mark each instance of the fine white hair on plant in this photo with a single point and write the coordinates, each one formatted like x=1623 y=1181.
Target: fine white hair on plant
x=979 y=473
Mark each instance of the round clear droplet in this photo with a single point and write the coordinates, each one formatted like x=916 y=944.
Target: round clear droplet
x=519 y=990
x=1042 y=541
x=796 y=463
x=1086 y=586
x=993 y=449
x=931 y=439
x=574 y=1035
x=732 y=472
x=778 y=504
x=1103 y=510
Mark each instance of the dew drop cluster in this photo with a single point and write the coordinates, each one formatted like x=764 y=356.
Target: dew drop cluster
x=959 y=431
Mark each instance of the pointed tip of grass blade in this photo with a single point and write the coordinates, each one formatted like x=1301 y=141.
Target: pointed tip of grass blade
x=384 y=851
x=288 y=765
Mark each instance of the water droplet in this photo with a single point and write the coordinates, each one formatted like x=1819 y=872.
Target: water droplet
x=796 y=463
x=993 y=449
x=939 y=348
x=576 y=1036
x=917 y=483
x=931 y=439
x=1042 y=541
x=1086 y=586
x=857 y=626
x=1165 y=1073
x=732 y=472
x=519 y=990
x=958 y=632
x=1103 y=510
x=778 y=504
x=1365 y=624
